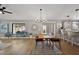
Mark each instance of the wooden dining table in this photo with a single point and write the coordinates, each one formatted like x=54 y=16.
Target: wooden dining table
x=50 y=39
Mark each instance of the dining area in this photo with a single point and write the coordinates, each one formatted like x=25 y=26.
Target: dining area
x=47 y=44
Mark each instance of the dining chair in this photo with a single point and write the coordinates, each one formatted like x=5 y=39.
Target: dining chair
x=39 y=40
x=54 y=40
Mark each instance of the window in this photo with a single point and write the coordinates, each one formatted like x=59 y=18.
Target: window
x=44 y=28
x=18 y=27
x=3 y=28
x=75 y=25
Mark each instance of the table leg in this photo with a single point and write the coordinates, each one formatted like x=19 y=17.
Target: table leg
x=42 y=44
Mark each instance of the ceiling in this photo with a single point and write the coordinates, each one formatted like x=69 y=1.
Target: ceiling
x=32 y=11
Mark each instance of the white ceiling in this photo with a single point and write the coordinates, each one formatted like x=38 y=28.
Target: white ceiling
x=31 y=11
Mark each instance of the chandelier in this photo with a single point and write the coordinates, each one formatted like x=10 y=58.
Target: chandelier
x=40 y=19
x=76 y=13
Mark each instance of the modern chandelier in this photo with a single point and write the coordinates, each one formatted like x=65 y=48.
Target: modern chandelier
x=76 y=13
x=40 y=19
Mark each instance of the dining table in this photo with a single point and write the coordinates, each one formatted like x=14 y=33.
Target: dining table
x=51 y=39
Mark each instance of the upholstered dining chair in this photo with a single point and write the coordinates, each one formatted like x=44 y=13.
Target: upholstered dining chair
x=54 y=40
x=39 y=38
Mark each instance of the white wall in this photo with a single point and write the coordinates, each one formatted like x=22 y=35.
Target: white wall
x=30 y=29
x=29 y=26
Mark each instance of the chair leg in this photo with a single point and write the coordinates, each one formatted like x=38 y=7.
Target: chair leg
x=53 y=45
x=49 y=44
x=36 y=44
x=60 y=45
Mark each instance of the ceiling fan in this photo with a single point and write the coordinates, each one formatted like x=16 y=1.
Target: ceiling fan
x=3 y=10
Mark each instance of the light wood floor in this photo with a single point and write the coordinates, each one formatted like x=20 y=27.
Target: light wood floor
x=68 y=49
x=25 y=46
x=18 y=47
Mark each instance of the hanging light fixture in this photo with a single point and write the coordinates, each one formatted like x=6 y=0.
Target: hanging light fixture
x=76 y=13
x=68 y=18
x=40 y=19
